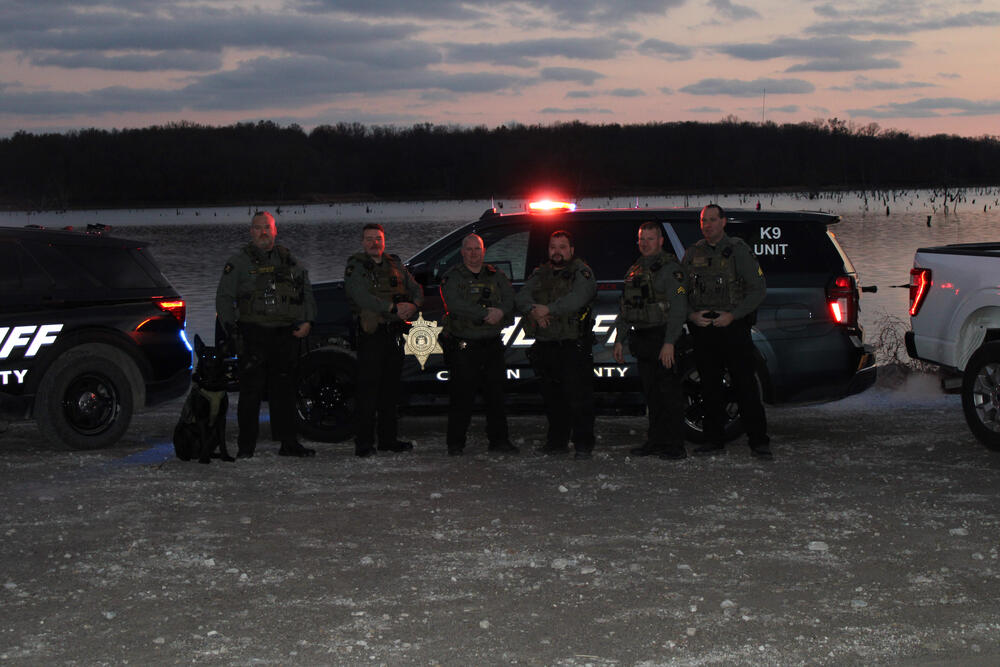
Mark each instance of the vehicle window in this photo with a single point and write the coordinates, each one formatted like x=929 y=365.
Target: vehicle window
x=506 y=247
x=608 y=246
x=784 y=247
x=62 y=273
x=10 y=274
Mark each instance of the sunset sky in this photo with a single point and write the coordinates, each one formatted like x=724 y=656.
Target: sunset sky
x=921 y=66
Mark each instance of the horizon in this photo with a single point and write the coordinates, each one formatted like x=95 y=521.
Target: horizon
x=919 y=67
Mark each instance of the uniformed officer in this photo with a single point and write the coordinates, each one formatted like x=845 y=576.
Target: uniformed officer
x=556 y=301
x=383 y=296
x=265 y=298
x=651 y=318
x=480 y=302
x=725 y=286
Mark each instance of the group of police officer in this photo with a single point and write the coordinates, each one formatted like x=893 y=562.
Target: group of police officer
x=265 y=298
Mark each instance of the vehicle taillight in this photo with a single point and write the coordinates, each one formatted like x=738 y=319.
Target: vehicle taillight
x=175 y=307
x=920 y=285
x=842 y=299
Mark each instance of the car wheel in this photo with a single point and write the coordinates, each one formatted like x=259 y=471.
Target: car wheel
x=694 y=410
x=326 y=400
x=981 y=395
x=86 y=400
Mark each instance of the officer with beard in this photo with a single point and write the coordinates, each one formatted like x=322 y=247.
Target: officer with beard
x=725 y=286
x=479 y=300
x=556 y=301
x=652 y=316
x=265 y=299
x=383 y=296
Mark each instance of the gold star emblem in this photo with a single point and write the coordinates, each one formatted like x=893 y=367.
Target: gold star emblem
x=422 y=341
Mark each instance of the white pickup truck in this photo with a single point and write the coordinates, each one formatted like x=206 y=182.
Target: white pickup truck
x=955 y=323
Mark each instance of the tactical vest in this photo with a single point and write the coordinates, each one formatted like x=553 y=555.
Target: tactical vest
x=277 y=294
x=714 y=282
x=386 y=279
x=642 y=304
x=483 y=290
x=550 y=286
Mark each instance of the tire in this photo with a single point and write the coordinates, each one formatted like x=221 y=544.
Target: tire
x=325 y=401
x=981 y=395
x=85 y=400
x=694 y=411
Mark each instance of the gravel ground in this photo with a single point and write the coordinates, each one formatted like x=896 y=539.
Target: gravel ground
x=871 y=539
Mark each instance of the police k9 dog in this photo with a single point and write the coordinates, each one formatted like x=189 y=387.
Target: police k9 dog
x=201 y=429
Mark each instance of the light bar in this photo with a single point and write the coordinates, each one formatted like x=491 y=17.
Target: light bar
x=550 y=205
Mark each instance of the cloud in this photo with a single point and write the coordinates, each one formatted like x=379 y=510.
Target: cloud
x=574 y=111
x=735 y=12
x=905 y=26
x=527 y=52
x=931 y=107
x=666 y=50
x=826 y=54
x=738 y=88
x=188 y=61
x=864 y=83
x=788 y=108
x=627 y=92
x=704 y=110
x=584 y=76
x=574 y=11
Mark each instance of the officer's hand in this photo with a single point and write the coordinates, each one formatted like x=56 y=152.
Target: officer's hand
x=619 y=353
x=699 y=319
x=539 y=312
x=724 y=319
x=406 y=310
x=667 y=355
x=493 y=316
x=302 y=330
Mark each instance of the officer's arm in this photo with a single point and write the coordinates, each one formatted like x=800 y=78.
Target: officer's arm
x=755 y=288
x=356 y=283
x=688 y=278
x=308 y=300
x=414 y=290
x=506 y=297
x=677 y=300
x=226 y=294
x=523 y=299
x=583 y=292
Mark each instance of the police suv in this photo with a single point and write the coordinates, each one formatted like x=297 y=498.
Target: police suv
x=90 y=331
x=809 y=342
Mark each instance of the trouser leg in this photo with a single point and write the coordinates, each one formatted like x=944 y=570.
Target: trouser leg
x=494 y=375
x=282 y=373
x=579 y=394
x=709 y=358
x=367 y=388
x=545 y=363
x=462 y=381
x=253 y=377
x=388 y=391
x=740 y=361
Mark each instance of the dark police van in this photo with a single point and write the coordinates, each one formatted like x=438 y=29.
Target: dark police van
x=808 y=337
x=90 y=331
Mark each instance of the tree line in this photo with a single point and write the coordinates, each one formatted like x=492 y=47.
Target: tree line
x=187 y=164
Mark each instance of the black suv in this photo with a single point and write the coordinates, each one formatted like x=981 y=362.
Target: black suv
x=90 y=330
x=807 y=334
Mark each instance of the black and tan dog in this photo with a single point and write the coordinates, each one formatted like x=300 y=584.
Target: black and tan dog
x=202 y=426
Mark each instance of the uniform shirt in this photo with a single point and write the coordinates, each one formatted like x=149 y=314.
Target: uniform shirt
x=731 y=257
x=577 y=290
x=668 y=281
x=369 y=286
x=239 y=280
x=467 y=295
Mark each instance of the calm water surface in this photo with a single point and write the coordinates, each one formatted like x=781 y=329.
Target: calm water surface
x=191 y=245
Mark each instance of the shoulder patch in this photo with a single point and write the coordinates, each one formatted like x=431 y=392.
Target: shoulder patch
x=349 y=270
x=585 y=272
x=228 y=268
x=760 y=272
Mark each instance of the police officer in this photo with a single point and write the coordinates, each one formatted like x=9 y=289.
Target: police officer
x=265 y=299
x=556 y=301
x=652 y=315
x=725 y=286
x=383 y=296
x=479 y=300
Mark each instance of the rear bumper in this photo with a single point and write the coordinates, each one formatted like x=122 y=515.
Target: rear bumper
x=866 y=374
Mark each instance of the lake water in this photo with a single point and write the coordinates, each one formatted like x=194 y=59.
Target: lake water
x=192 y=244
